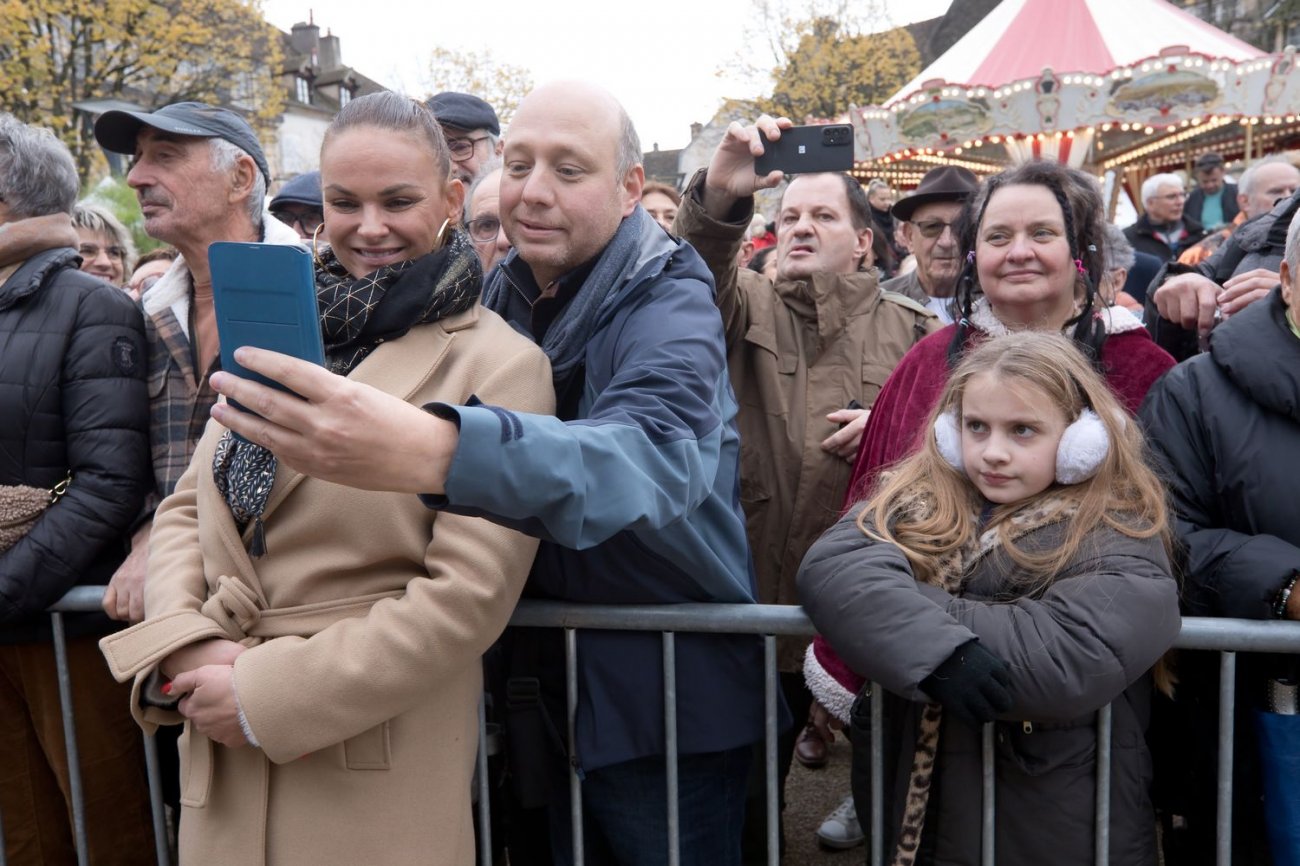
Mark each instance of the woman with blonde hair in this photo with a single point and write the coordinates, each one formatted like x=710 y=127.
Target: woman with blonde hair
x=1013 y=570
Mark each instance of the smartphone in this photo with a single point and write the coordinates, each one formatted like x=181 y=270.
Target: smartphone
x=265 y=296
x=806 y=149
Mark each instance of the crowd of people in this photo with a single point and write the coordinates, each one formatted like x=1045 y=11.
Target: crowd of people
x=994 y=445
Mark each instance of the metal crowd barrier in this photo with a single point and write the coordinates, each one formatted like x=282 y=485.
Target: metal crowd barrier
x=1226 y=636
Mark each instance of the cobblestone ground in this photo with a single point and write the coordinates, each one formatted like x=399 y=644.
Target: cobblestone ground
x=810 y=795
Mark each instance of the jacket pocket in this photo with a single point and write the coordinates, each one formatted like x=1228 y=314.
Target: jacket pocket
x=1039 y=748
x=369 y=750
x=196 y=767
x=873 y=379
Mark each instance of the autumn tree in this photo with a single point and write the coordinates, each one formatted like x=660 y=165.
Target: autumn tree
x=830 y=69
x=58 y=54
x=501 y=85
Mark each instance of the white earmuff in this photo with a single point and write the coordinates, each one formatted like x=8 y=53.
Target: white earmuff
x=947 y=435
x=1083 y=449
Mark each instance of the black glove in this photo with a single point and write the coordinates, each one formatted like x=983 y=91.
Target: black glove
x=973 y=684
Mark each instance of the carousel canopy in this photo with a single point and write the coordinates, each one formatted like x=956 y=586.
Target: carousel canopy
x=1136 y=87
x=1021 y=37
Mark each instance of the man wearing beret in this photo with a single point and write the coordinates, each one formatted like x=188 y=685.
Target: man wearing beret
x=473 y=133
x=200 y=176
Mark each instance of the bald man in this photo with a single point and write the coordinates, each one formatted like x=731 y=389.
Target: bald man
x=633 y=487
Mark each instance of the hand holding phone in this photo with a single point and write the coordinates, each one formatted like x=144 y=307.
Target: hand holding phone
x=807 y=149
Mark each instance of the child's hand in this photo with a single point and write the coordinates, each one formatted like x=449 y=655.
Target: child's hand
x=973 y=684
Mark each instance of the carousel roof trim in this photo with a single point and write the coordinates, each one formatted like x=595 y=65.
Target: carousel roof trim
x=1018 y=38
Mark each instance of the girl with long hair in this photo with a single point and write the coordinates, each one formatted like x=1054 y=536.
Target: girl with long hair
x=1013 y=570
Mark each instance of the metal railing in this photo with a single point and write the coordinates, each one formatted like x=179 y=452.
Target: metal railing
x=1227 y=636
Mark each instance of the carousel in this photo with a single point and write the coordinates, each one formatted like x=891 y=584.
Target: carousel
x=1084 y=82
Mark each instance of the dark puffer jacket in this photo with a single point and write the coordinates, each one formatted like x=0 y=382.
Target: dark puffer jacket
x=72 y=400
x=1256 y=244
x=1085 y=641
x=1225 y=429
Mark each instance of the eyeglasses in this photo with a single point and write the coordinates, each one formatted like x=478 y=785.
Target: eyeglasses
x=1172 y=196
x=463 y=148
x=933 y=228
x=484 y=229
x=90 y=251
x=309 y=221
x=144 y=285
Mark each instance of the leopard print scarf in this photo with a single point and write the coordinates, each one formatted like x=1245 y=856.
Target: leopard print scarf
x=950 y=573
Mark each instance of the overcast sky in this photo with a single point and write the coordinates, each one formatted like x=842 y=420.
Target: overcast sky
x=664 y=70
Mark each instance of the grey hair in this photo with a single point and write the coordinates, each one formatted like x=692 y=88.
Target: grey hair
x=629 y=146
x=875 y=184
x=37 y=174
x=1246 y=183
x=100 y=220
x=224 y=157
x=1292 y=254
x=1151 y=186
x=1118 y=251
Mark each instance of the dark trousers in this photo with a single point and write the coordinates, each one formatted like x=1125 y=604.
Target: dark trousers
x=625 y=811
x=35 y=797
x=799 y=699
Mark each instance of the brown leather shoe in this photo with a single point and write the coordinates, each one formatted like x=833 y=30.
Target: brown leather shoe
x=810 y=749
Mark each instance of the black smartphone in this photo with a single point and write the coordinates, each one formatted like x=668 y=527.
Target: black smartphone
x=806 y=149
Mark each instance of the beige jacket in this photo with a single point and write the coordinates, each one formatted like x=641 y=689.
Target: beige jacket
x=796 y=351
x=365 y=620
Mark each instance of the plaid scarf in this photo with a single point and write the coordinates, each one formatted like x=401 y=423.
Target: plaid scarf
x=356 y=314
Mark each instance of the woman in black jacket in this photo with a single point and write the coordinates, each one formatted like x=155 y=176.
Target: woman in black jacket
x=74 y=416
x=1226 y=427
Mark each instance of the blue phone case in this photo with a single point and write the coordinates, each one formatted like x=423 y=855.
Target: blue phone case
x=265 y=296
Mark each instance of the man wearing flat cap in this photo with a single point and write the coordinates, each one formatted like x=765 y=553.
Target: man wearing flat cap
x=473 y=133
x=928 y=217
x=200 y=176
x=300 y=204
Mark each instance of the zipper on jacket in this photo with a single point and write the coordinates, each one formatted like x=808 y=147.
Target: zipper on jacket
x=1027 y=727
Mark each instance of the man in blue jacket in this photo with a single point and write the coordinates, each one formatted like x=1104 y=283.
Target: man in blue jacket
x=632 y=487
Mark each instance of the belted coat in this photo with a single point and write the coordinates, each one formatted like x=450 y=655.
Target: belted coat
x=365 y=622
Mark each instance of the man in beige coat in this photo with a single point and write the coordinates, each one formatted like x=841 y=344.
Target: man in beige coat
x=807 y=356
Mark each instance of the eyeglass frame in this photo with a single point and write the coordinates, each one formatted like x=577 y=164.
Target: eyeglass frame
x=473 y=145
x=929 y=227
x=294 y=217
x=469 y=227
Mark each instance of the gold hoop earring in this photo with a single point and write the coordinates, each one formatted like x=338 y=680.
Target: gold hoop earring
x=315 y=254
x=440 y=240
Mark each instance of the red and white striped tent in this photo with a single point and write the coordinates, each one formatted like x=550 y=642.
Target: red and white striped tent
x=1134 y=86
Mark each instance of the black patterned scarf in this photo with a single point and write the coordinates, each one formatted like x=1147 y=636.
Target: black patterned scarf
x=356 y=314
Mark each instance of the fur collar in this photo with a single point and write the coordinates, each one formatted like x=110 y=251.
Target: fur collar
x=1117 y=320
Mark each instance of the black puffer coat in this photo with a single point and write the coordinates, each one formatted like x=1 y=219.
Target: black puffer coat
x=1225 y=429
x=72 y=399
x=1256 y=244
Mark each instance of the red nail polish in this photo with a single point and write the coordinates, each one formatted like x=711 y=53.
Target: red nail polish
x=167 y=688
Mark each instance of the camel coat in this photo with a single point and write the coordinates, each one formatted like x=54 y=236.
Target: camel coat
x=365 y=621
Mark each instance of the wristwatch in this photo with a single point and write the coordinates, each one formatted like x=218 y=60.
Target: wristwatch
x=1284 y=596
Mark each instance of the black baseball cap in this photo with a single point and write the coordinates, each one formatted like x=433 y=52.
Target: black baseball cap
x=117 y=130
x=464 y=111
